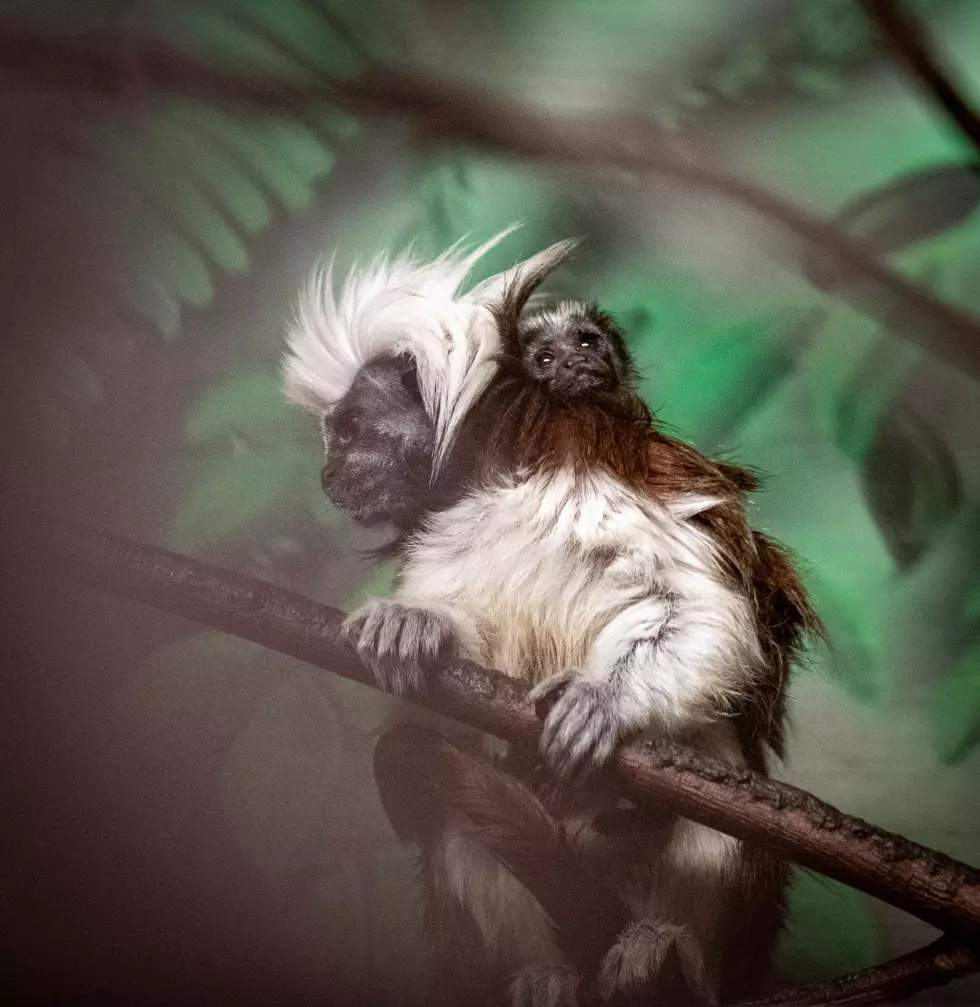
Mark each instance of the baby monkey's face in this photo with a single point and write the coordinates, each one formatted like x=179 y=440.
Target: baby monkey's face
x=573 y=350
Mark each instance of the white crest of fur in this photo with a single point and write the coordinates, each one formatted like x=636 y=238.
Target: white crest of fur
x=404 y=305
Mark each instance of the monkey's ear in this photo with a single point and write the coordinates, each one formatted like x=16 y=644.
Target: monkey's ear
x=507 y=293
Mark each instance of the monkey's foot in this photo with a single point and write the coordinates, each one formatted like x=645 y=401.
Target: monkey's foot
x=581 y=728
x=655 y=962
x=544 y=986
x=399 y=643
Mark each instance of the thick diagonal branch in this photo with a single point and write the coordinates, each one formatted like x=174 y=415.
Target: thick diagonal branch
x=785 y=819
x=446 y=111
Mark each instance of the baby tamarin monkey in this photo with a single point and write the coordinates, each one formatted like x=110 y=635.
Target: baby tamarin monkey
x=574 y=545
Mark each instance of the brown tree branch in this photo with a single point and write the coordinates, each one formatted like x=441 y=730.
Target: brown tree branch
x=778 y=816
x=450 y=112
x=789 y=821
x=911 y=45
x=936 y=965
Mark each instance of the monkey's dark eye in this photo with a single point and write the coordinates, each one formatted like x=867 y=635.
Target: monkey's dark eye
x=543 y=358
x=344 y=429
x=588 y=340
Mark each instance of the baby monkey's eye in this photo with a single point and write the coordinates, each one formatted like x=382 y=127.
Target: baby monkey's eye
x=543 y=358
x=588 y=340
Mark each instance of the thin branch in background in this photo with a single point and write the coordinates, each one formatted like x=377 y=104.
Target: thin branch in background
x=911 y=44
x=445 y=112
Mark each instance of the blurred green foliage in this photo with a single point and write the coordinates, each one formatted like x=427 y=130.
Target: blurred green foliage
x=256 y=461
x=187 y=214
x=843 y=919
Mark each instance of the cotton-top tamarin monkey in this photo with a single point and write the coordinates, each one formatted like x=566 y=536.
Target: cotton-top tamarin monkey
x=564 y=540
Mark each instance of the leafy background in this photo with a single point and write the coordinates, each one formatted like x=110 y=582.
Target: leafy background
x=192 y=816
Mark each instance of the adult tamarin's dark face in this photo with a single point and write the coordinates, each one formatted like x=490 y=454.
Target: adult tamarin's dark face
x=379 y=444
x=573 y=350
x=380 y=441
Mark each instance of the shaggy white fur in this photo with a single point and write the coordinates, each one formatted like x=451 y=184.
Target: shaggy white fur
x=404 y=305
x=560 y=572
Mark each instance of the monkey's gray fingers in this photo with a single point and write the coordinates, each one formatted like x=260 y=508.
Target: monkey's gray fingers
x=582 y=728
x=399 y=643
x=544 y=986
x=655 y=962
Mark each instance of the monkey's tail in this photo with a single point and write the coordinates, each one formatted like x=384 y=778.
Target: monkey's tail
x=428 y=786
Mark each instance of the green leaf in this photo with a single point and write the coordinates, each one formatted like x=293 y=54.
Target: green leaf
x=830 y=930
x=955 y=709
x=179 y=252
x=911 y=483
x=235 y=492
x=256 y=143
x=150 y=298
x=854 y=373
x=914 y=207
x=162 y=169
x=132 y=249
x=851 y=655
x=305 y=31
x=731 y=372
x=971 y=605
x=249 y=405
x=227 y=37
x=332 y=125
x=187 y=130
x=932 y=614
x=306 y=158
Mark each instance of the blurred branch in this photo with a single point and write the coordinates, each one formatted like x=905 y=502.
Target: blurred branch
x=789 y=821
x=444 y=111
x=912 y=47
x=936 y=965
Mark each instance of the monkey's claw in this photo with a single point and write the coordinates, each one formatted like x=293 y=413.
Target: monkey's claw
x=654 y=962
x=399 y=643
x=581 y=729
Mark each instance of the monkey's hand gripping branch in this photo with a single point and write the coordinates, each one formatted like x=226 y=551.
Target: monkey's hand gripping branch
x=789 y=821
x=589 y=711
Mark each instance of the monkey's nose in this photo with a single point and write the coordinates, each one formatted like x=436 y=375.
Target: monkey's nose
x=575 y=360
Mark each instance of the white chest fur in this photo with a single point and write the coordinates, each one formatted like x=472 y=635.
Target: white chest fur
x=542 y=565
